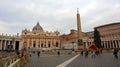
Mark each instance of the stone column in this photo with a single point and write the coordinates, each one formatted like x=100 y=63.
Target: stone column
x=54 y=43
x=5 y=45
x=46 y=42
x=28 y=43
x=37 y=43
x=116 y=44
x=86 y=44
x=59 y=43
x=19 y=45
x=40 y=42
x=108 y=44
x=31 y=43
x=14 y=44
x=0 y=44
x=45 y=45
x=119 y=43
x=112 y=44
x=105 y=44
x=51 y=42
x=8 y=42
x=101 y=43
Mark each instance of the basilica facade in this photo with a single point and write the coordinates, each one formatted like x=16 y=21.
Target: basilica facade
x=40 y=39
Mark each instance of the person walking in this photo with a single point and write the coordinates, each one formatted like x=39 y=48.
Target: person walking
x=93 y=54
x=58 y=53
x=82 y=53
x=38 y=53
x=30 y=54
x=86 y=53
x=22 y=53
x=115 y=52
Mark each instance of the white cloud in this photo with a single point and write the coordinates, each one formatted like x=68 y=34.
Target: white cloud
x=56 y=15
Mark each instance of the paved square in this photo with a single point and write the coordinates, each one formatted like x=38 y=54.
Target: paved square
x=103 y=60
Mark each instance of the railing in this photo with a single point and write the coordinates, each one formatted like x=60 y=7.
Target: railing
x=15 y=64
x=13 y=61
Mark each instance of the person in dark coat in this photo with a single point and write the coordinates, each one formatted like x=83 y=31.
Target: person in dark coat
x=30 y=54
x=86 y=53
x=115 y=52
x=58 y=53
x=82 y=53
x=38 y=53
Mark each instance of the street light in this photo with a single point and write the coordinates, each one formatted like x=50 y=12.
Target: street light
x=73 y=45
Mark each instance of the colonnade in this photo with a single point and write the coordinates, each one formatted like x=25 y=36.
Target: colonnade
x=10 y=42
x=110 y=44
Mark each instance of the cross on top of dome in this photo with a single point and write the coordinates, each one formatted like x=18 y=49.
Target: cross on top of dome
x=37 y=27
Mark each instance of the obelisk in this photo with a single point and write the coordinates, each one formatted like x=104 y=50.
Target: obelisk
x=80 y=43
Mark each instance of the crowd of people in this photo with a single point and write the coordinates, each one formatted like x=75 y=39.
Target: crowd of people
x=95 y=53
x=39 y=53
x=85 y=53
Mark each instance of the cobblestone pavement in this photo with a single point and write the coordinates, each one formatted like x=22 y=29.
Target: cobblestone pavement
x=47 y=60
x=104 y=60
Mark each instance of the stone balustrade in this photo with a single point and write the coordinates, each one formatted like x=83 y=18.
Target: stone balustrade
x=12 y=60
x=15 y=63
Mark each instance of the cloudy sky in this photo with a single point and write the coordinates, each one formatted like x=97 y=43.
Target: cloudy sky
x=16 y=15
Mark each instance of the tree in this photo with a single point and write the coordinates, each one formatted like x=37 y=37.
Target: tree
x=97 y=39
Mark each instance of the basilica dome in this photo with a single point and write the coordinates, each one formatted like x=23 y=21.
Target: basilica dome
x=37 y=27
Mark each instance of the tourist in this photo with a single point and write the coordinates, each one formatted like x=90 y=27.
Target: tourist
x=82 y=53
x=115 y=52
x=86 y=53
x=22 y=53
x=30 y=54
x=93 y=54
x=58 y=53
x=38 y=53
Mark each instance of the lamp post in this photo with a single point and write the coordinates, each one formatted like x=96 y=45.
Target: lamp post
x=73 y=45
